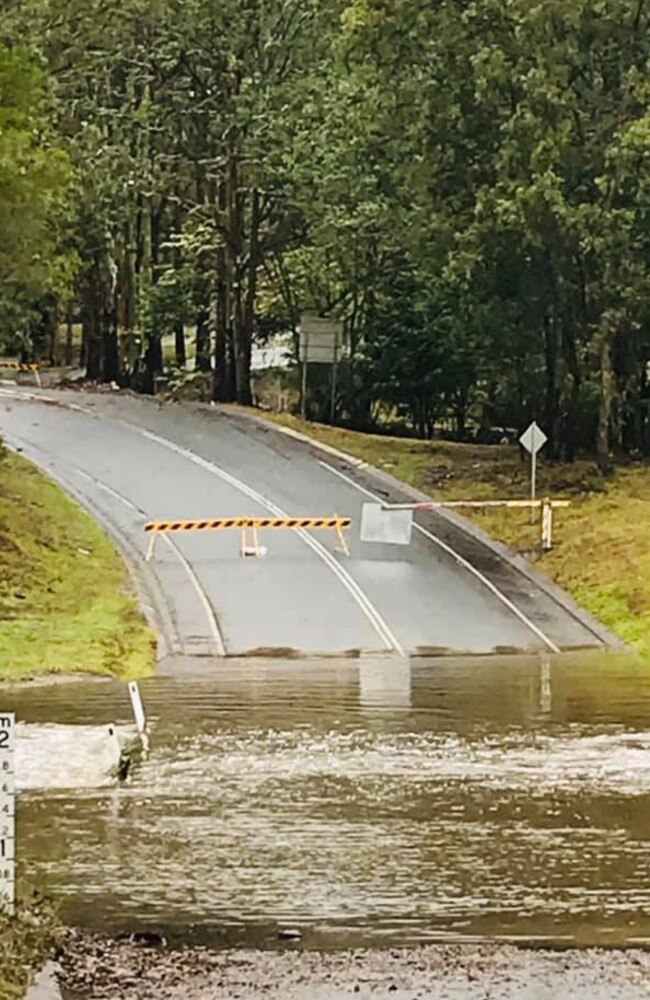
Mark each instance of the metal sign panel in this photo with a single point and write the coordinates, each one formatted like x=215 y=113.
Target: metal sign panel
x=7 y=809
x=390 y=527
x=320 y=339
x=533 y=438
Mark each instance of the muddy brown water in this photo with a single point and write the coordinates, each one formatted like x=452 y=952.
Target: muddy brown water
x=365 y=803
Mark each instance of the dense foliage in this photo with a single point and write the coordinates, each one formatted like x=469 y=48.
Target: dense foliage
x=465 y=183
x=28 y=938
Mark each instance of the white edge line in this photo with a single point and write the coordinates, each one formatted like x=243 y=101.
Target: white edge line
x=200 y=593
x=460 y=559
x=373 y=615
x=194 y=580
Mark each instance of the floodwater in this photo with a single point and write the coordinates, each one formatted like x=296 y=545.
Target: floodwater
x=363 y=802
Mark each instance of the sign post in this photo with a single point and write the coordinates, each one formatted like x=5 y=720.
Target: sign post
x=321 y=342
x=303 y=388
x=533 y=439
x=7 y=811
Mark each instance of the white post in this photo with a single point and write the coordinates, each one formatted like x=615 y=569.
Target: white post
x=137 y=706
x=533 y=473
x=545 y=688
x=7 y=811
x=152 y=545
x=547 y=525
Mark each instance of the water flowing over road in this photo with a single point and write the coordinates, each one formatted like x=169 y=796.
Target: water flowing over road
x=443 y=800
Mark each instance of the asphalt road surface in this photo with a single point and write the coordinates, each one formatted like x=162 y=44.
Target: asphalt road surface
x=130 y=459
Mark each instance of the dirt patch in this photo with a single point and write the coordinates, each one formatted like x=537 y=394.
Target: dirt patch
x=95 y=968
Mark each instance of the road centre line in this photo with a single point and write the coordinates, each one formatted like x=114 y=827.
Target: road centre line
x=219 y=644
x=379 y=624
x=462 y=561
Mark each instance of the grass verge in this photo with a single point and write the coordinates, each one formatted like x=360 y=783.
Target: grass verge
x=601 y=552
x=66 y=602
x=28 y=938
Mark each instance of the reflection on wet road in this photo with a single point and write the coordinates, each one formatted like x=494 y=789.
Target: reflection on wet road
x=363 y=802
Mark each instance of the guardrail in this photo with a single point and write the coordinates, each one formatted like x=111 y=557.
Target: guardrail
x=246 y=524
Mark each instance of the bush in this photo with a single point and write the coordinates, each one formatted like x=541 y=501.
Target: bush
x=28 y=937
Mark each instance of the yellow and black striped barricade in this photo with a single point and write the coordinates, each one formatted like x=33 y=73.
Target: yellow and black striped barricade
x=252 y=524
x=22 y=366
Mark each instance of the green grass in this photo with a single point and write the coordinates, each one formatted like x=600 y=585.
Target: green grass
x=601 y=552
x=27 y=939
x=66 y=602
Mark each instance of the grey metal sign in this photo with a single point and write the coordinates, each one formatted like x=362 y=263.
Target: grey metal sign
x=390 y=527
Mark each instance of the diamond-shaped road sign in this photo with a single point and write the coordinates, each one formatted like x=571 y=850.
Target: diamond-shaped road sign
x=533 y=438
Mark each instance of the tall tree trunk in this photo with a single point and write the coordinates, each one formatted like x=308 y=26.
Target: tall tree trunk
x=222 y=385
x=111 y=359
x=203 y=340
x=69 y=334
x=179 y=326
x=606 y=397
x=129 y=280
x=179 y=343
x=91 y=327
x=54 y=346
x=243 y=349
x=552 y=392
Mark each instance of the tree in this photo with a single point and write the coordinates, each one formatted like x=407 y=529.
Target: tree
x=34 y=186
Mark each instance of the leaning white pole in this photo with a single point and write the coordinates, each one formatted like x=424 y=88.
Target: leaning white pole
x=138 y=707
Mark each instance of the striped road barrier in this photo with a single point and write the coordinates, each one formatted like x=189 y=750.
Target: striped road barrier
x=22 y=366
x=252 y=524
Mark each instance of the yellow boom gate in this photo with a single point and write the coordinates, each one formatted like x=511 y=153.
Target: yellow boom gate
x=21 y=366
x=249 y=524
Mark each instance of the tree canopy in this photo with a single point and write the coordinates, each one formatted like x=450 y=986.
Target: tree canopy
x=34 y=178
x=465 y=184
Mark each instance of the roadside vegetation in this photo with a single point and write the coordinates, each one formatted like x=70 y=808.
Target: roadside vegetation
x=463 y=186
x=66 y=602
x=601 y=552
x=28 y=937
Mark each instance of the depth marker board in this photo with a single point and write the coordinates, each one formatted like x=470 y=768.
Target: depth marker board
x=7 y=809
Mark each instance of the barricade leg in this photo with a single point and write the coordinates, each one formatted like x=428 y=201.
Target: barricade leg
x=344 y=545
x=246 y=549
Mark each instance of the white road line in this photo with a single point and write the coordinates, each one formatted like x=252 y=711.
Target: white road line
x=379 y=624
x=111 y=492
x=33 y=397
x=194 y=580
x=463 y=562
x=202 y=596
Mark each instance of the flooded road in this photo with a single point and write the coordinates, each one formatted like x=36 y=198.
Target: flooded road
x=368 y=802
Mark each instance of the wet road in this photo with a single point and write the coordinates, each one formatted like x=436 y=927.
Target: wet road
x=444 y=800
x=129 y=460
